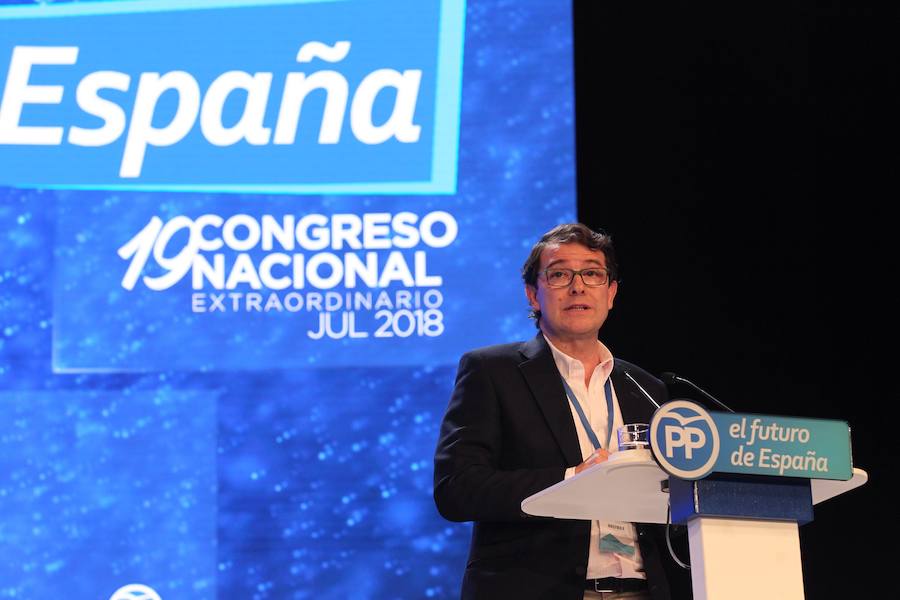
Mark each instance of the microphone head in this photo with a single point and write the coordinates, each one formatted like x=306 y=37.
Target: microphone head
x=669 y=378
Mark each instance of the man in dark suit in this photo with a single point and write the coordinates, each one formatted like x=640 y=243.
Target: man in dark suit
x=525 y=416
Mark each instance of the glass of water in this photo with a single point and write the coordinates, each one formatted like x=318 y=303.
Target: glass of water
x=635 y=436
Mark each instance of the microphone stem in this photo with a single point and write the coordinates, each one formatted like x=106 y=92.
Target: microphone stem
x=706 y=394
x=640 y=387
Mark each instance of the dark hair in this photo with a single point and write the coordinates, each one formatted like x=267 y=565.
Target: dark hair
x=569 y=233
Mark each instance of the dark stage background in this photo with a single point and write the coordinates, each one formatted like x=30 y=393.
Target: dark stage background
x=740 y=157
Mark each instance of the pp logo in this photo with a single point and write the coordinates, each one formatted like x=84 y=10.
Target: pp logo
x=684 y=439
x=135 y=591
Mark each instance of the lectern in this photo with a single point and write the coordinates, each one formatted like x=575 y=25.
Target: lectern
x=741 y=497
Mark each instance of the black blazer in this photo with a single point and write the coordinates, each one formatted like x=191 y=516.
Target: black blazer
x=508 y=433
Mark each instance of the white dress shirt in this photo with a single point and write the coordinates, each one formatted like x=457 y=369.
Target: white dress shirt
x=593 y=402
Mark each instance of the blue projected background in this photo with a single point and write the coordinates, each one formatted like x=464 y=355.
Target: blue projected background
x=200 y=412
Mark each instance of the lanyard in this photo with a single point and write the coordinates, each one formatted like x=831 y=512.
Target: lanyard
x=607 y=389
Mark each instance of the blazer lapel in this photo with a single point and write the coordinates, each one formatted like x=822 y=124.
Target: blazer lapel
x=543 y=378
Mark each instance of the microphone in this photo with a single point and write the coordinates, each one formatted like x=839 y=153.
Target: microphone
x=640 y=387
x=670 y=378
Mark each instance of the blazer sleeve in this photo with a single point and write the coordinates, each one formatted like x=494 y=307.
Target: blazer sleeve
x=469 y=484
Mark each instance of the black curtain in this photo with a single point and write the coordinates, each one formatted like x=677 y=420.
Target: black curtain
x=743 y=158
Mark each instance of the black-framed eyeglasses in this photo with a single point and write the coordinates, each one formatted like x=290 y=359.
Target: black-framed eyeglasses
x=593 y=277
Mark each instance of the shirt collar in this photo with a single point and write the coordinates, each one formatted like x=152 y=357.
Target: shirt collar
x=571 y=367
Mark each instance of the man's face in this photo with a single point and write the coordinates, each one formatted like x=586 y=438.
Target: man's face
x=575 y=311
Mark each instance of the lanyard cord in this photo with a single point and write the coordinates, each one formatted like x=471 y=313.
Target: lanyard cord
x=607 y=389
